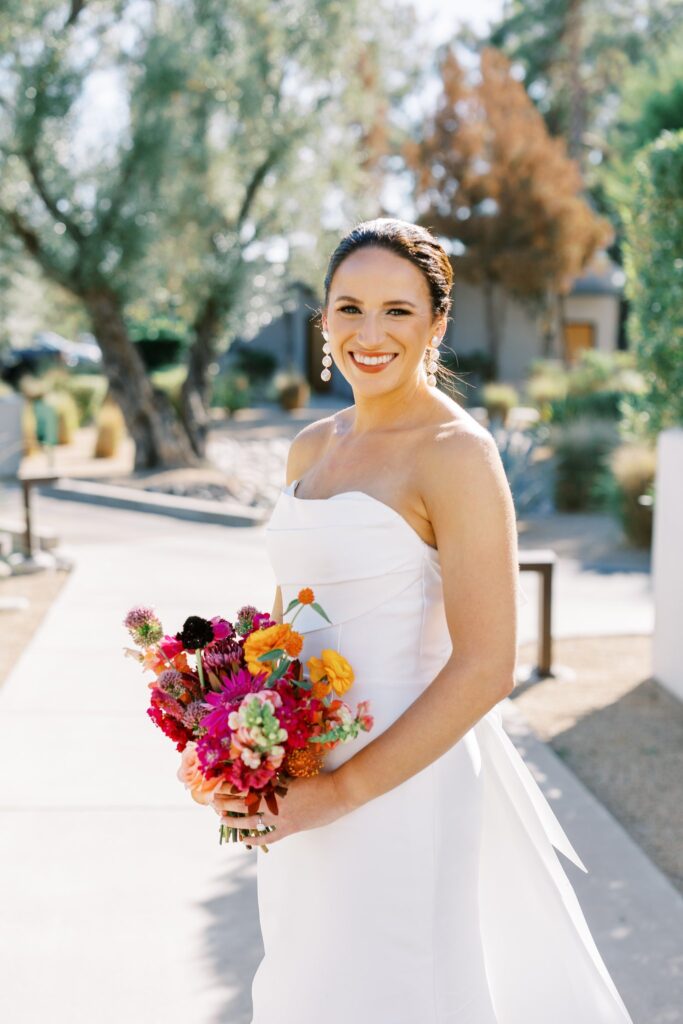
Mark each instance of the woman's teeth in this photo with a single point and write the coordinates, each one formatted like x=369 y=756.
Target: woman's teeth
x=373 y=360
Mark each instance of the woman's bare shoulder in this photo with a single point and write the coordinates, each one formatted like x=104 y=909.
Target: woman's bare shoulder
x=457 y=454
x=310 y=442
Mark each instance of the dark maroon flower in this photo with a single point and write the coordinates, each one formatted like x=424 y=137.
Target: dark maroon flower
x=196 y=632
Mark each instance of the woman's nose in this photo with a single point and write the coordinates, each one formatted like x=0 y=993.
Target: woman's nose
x=370 y=331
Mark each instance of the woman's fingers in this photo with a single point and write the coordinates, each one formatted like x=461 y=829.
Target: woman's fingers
x=229 y=803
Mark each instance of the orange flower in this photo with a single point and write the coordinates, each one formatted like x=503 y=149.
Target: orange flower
x=334 y=668
x=306 y=595
x=263 y=640
x=201 y=789
x=320 y=689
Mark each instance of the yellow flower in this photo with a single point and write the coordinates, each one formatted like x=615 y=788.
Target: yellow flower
x=262 y=640
x=306 y=595
x=334 y=668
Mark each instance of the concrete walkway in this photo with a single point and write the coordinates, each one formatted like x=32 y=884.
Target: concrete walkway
x=117 y=902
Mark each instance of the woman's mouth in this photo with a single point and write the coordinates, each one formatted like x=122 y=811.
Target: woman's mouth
x=372 y=364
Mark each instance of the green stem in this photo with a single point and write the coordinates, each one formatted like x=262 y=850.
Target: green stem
x=200 y=670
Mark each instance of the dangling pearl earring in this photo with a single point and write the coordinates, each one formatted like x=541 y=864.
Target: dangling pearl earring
x=327 y=358
x=432 y=365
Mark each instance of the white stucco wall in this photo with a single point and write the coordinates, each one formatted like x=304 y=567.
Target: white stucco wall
x=467 y=331
x=667 y=562
x=600 y=310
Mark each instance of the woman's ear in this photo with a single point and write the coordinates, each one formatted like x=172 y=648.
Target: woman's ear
x=439 y=329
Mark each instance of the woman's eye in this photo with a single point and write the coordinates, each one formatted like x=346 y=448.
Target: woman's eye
x=397 y=309
x=344 y=309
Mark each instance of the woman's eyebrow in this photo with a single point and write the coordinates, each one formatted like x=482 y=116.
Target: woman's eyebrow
x=392 y=302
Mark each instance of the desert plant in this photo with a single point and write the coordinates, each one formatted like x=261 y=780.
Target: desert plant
x=544 y=388
x=581 y=448
x=629 y=488
x=292 y=389
x=231 y=391
x=88 y=391
x=29 y=429
x=498 y=399
x=111 y=430
x=66 y=409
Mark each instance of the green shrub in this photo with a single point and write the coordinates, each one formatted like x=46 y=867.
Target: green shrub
x=170 y=380
x=653 y=261
x=628 y=490
x=258 y=364
x=581 y=449
x=498 y=399
x=544 y=388
x=475 y=367
x=88 y=391
x=231 y=391
x=161 y=342
x=67 y=415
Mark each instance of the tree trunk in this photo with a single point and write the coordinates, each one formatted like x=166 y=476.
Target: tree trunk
x=195 y=395
x=493 y=326
x=577 y=95
x=160 y=439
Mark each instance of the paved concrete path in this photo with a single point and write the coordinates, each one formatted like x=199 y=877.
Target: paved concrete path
x=116 y=901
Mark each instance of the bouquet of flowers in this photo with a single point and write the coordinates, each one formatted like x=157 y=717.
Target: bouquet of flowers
x=234 y=699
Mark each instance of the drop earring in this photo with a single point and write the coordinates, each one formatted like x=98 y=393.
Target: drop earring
x=327 y=358
x=432 y=364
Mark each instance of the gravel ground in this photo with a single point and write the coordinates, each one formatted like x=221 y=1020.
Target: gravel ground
x=621 y=733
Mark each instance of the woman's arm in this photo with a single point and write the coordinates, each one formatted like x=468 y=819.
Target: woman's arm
x=470 y=506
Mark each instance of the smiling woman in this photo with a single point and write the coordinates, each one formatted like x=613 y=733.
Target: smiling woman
x=427 y=842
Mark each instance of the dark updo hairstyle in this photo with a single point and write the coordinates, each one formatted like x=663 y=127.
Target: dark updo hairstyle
x=412 y=242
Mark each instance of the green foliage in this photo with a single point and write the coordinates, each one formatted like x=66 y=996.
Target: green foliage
x=627 y=490
x=576 y=55
x=258 y=364
x=233 y=123
x=581 y=449
x=170 y=380
x=88 y=392
x=475 y=367
x=594 y=387
x=231 y=391
x=498 y=399
x=64 y=405
x=654 y=269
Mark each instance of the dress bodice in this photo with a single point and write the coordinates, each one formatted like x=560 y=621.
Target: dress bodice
x=380 y=585
x=376 y=578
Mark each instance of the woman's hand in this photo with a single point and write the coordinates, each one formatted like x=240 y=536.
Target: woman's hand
x=308 y=803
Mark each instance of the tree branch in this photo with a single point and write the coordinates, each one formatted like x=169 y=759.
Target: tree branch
x=35 y=248
x=76 y=7
x=35 y=170
x=257 y=179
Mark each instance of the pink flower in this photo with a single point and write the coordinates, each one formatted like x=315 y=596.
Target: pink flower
x=170 y=646
x=363 y=715
x=221 y=628
x=190 y=773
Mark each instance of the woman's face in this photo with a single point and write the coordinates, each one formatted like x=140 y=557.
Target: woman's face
x=380 y=305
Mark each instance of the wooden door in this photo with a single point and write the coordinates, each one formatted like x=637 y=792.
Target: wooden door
x=577 y=337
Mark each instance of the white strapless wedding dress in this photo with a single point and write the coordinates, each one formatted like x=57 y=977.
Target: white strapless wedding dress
x=443 y=900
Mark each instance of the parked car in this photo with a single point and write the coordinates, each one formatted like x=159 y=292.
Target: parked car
x=46 y=350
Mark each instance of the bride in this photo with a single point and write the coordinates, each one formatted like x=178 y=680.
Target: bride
x=413 y=880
